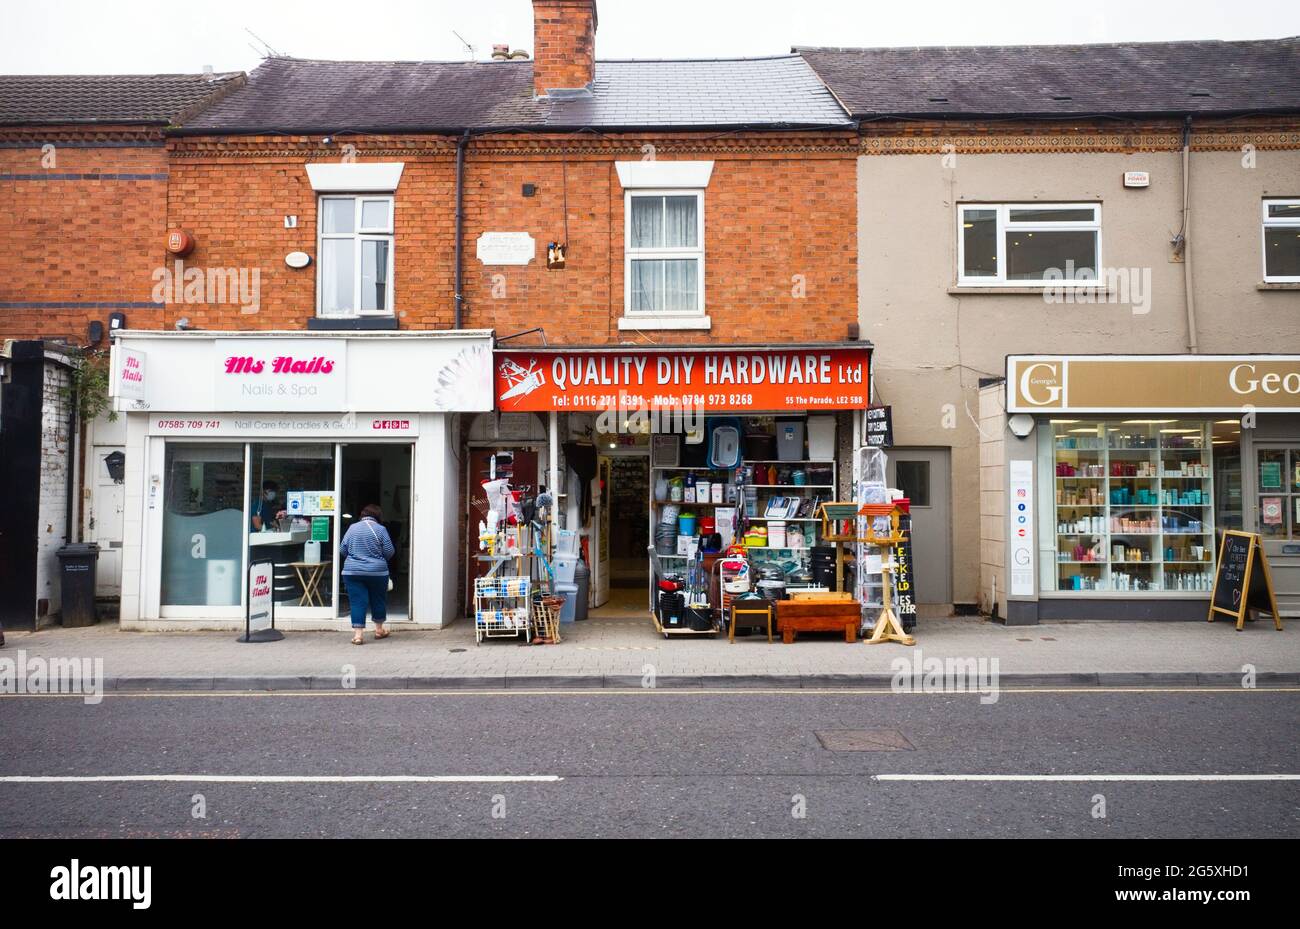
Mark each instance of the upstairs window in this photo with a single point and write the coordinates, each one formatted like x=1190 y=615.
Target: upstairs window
x=1282 y=241
x=355 y=256
x=665 y=253
x=1027 y=244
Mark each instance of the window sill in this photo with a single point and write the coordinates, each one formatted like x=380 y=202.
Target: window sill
x=664 y=322
x=350 y=323
x=1038 y=291
x=1278 y=285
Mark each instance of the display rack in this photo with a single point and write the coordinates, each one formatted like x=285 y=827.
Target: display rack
x=808 y=525
x=1134 y=507
x=502 y=607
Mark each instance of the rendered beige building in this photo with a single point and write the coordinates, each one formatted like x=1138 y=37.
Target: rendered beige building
x=967 y=156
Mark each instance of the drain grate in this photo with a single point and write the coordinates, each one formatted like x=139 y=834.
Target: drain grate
x=864 y=740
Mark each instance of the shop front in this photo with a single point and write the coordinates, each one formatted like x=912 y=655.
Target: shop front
x=657 y=451
x=1123 y=471
x=262 y=448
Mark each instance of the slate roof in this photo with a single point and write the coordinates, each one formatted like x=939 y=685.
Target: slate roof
x=1142 y=78
x=295 y=95
x=41 y=99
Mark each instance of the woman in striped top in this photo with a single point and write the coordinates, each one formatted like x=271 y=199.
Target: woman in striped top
x=365 y=550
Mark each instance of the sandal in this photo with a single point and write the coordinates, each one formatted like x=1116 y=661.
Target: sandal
x=382 y=635
x=357 y=640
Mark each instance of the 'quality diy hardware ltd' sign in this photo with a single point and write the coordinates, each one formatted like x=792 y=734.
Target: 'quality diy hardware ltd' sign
x=723 y=380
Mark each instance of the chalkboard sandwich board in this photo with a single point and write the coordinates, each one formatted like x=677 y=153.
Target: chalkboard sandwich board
x=1242 y=580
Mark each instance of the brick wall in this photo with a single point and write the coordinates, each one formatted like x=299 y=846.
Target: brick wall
x=779 y=219
x=75 y=232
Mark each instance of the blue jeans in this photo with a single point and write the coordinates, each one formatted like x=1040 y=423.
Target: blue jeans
x=367 y=590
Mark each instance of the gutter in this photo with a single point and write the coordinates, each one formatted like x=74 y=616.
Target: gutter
x=1180 y=242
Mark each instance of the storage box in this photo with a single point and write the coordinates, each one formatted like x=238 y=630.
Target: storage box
x=687 y=544
x=565 y=566
x=724 y=518
x=821 y=438
x=789 y=439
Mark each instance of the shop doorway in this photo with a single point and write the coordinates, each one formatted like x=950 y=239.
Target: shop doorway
x=623 y=571
x=924 y=476
x=381 y=473
x=1277 y=517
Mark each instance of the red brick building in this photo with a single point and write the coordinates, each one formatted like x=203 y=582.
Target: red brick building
x=610 y=206
x=83 y=206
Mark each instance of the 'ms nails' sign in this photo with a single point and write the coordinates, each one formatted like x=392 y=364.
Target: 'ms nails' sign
x=281 y=364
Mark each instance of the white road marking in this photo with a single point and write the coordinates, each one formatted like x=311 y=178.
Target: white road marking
x=282 y=778
x=1085 y=777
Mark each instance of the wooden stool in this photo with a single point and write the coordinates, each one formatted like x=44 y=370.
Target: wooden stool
x=739 y=610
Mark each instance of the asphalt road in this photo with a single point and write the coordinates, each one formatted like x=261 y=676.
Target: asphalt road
x=654 y=764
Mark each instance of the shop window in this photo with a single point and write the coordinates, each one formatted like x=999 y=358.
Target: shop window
x=1134 y=504
x=355 y=256
x=914 y=481
x=203 y=518
x=1282 y=241
x=1278 y=505
x=665 y=253
x=1014 y=244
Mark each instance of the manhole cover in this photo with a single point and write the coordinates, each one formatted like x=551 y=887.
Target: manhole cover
x=864 y=740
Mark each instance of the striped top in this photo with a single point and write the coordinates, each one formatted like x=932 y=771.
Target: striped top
x=365 y=551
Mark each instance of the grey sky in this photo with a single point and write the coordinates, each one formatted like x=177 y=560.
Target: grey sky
x=139 y=36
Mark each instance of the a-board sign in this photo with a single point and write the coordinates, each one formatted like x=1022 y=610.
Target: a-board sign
x=904 y=578
x=878 y=426
x=1242 y=580
x=260 y=585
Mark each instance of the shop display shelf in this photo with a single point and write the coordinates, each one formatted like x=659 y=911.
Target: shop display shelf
x=782 y=519
x=778 y=461
x=792 y=486
x=1098 y=562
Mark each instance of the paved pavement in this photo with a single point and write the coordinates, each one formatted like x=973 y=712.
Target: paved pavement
x=654 y=763
x=621 y=651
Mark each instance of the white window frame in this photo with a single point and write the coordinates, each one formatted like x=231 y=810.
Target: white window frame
x=1273 y=222
x=630 y=254
x=1005 y=225
x=358 y=234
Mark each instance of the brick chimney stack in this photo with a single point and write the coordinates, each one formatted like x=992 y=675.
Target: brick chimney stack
x=564 y=45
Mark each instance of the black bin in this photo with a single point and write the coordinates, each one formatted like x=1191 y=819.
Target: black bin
x=77 y=565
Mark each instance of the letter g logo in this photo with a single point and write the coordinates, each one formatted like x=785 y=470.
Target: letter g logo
x=1040 y=383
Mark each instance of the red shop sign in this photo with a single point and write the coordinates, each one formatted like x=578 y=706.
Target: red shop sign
x=730 y=380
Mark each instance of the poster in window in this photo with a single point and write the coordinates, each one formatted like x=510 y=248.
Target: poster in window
x=1270 y=511
x=1270 y=475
